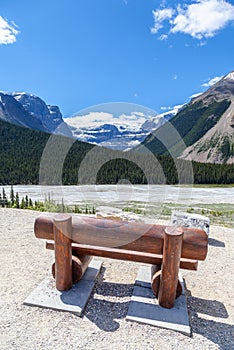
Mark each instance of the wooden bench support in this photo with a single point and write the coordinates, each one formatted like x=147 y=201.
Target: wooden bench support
x=155 y=278
x=170 y=266
x=155 y=281
x=80 y=264
x=75 y=240
x=122 y=254
x=63 y=252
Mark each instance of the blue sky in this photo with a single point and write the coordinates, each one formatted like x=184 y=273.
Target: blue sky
x=79 y=53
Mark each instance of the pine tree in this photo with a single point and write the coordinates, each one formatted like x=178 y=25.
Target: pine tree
x=12 y=197
x=30 y=203
x=22 y=205
x=17 y=204
x=26 y=201
x=4 y=198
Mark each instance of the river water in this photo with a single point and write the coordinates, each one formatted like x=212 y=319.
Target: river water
x=123 y=194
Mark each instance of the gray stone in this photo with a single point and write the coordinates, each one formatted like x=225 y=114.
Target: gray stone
x=144 y=307
x=111 y=213
x=190 y=220
x=74 y=300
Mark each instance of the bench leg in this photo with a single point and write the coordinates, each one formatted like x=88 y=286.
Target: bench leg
x=170 y=266
x=155 y=278
x=79 y=266
x=155 y=281
x=63 y=251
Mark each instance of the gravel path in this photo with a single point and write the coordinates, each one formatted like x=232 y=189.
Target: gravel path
x=25 y=262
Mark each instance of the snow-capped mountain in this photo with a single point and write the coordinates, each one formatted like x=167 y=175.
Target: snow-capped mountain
x=32 y=112
x=13 y=112
x=154 y=123
x=50 y=116
x=120 y=128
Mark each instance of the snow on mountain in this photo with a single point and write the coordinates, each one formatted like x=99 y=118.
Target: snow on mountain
x=117 y=126
x=123 y=134
x=154 y=123
x=50 y=116
x=13 y=112
x=114 y=125
x=30 y=111
x=229 y=76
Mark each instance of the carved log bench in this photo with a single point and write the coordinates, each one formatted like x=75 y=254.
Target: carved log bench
x=76 y=239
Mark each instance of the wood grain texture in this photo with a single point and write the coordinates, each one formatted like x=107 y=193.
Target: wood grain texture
x=62 y=229
x=170 y=267
x=121 y=254
x=125 y=235
x=79 y=266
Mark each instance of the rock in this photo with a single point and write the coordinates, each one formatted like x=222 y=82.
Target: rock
x=49 y=116
x=111 y=213
x=190 y=220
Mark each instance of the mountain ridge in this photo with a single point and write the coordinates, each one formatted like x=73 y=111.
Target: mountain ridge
x=31 y=111
x=217 y=145
x=203 y=130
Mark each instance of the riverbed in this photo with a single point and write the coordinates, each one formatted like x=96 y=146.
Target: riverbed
x=123 y=194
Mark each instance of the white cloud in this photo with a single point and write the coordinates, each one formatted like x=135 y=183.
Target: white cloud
x=201 y=19
x=165 y=108
x=201 y=43
x=131 y=121
x=140 y=114
x=212 y=81
x=8 y=31
x=159 y=17
x=163 y=37
x=93 y=118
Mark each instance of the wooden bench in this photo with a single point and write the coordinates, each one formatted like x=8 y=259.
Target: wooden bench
x=76 y=239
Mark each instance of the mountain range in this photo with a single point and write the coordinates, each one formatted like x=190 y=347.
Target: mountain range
x=30 y=111
x=124 y=126
x=201 y=130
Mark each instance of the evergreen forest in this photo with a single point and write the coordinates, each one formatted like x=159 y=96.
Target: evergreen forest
x=73 y=162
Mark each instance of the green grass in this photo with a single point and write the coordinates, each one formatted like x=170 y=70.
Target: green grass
x=219 y=214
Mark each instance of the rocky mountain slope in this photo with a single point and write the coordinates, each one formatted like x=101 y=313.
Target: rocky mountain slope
x=203 y=130
x=217 y=145
x=32 y=112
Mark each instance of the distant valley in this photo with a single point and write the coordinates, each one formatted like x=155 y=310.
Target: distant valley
x=201 y=130
x=127 y=127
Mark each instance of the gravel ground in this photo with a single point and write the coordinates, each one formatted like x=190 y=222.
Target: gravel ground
x=25 y=262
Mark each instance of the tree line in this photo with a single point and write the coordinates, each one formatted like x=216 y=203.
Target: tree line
x=21 y=151
x=14 y=201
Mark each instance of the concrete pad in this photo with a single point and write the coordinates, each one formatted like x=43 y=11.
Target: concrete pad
x=144 y=307
x=74 y=300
